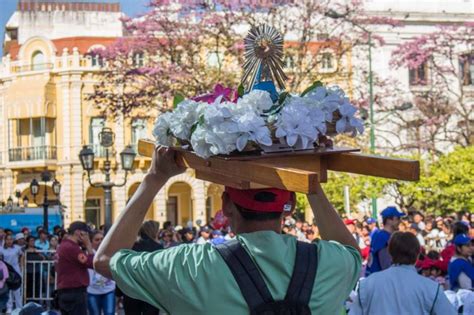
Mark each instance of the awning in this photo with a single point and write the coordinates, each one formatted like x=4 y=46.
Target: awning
x=31 y=97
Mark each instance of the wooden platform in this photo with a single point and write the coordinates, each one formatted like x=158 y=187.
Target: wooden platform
x=295 y=171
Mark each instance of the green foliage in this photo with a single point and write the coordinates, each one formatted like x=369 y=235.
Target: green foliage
x=312 y=87
x=446 y=186
x=301 y=204
x=360 y=188
x=178 y=98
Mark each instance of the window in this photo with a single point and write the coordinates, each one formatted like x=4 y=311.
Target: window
x=289 y=62
x=419 y=76
x=327 y=62
x=92 y=212
x=466 y=67
x=138 y=59
x=96 y=125
x=37 y=61
x=97 y=60
x=208 y=209
x=322 y=37
x=172 y=209
x=139 y=130
x=12 y=33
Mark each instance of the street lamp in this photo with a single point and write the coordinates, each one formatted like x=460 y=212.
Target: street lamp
x=335 y=15
x=127 y=156
x=34 y=189
x=26 y=201
x=10 y=203
x=18 y=195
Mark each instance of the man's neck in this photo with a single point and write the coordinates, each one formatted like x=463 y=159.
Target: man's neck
x=256 y=226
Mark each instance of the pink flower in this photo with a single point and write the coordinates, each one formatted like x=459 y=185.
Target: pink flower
x=228 y=94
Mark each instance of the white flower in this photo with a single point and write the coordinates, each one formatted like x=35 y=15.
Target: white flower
x=161 y=130
x=349 y=123
x=257 y=100
x=198 y=141
x=252 y=127
x=184 y=116
x=295 y=124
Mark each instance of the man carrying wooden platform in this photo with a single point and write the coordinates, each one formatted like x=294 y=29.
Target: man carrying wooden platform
x=206 y=279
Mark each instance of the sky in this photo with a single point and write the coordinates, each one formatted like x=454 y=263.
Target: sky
x=7 y=7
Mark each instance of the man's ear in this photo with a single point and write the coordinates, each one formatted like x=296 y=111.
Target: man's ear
x=227 y=205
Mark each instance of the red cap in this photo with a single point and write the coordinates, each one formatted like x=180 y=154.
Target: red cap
x=246 y=199
x=349 y=221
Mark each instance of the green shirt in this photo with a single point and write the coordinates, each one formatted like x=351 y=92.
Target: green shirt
x=194 y=279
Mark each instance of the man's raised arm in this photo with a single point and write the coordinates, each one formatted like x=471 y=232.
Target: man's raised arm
x=123 y=232
x=328 y=220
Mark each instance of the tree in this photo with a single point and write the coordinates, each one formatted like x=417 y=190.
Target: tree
x=445 y=186
x=188 y=47
x=441 y=77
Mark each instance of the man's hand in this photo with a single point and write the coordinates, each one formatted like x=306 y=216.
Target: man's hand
x=86 y=242
x=164 y=164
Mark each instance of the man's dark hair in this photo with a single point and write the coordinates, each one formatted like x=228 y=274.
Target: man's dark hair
x=263 y=196
x=460 y=228
x=404 y=248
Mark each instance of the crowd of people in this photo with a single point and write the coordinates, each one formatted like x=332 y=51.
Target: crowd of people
x=445 y=255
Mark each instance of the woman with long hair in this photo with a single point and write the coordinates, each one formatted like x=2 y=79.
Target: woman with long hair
x=12 y=255
x=101 y=290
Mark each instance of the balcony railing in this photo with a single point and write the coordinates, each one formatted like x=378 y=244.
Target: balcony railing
x=33 y=67
x=43 y=152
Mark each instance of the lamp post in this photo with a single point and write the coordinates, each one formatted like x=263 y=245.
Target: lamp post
x=34 y=189
x=10 y=203
x=127 y=156
x=335 y=15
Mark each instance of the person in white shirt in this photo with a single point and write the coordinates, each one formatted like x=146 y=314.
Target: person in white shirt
x=12 y=254
x=205 y=236
x=400 y=289
x=101 y=290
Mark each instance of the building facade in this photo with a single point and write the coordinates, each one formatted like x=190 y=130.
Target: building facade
x=45 y=76
x=417 y=19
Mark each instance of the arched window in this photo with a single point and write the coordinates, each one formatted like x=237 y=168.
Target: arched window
x=37 y=61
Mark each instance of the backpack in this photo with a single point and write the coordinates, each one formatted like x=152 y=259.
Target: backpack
x=14 y=279
x=254 y=289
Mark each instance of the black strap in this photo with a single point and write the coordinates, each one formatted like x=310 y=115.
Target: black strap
x=304 y=274
x=246 y=274
x=251 y=283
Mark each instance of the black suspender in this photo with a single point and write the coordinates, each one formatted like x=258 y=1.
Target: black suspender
x=251 y=283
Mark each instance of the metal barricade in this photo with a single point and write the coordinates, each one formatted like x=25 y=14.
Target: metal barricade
x=39 y=277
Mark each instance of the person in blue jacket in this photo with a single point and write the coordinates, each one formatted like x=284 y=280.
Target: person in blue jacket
x=460 y=268
x=379 y=258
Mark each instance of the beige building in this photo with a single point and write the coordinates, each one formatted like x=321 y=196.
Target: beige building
x=45 y=75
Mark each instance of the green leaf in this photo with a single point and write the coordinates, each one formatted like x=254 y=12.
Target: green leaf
x=178 y=98
x=241 y=90
x=312 y=87
x=283 y=97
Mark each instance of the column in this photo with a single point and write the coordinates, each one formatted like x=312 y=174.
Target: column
x=66 y=193
x=200 y=195
x=76 y=118
x=119 y=196
x=119 y=137
x=66 y=119
x=78 y=193
x=160 y=206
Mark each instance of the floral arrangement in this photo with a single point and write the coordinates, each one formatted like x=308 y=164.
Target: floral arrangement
x=228 y=121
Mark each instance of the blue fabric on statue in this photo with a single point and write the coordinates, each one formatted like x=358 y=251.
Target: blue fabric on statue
x=268 y=86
